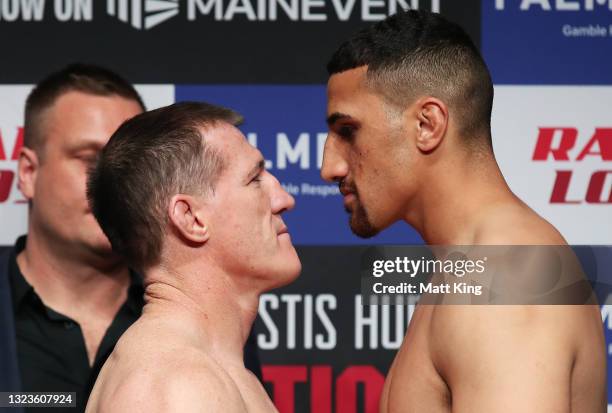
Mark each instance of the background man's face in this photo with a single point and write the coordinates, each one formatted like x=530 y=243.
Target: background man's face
x=246 y=228
x=74 y=130
x=367 y=152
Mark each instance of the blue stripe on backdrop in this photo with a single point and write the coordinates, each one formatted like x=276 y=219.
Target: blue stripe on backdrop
x=288 y=124
x=546 y=45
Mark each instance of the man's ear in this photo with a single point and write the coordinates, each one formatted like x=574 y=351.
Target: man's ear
x=27 y=171
x=432 y=118
x=187 y=218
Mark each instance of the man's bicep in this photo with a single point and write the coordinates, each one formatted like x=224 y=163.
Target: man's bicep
x=204 y=392
x=205 y=401
x=507 y=360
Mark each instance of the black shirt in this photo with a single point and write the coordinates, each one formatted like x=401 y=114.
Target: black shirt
x=51 y=348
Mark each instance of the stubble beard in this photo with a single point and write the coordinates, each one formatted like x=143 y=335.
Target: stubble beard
x=360 y=222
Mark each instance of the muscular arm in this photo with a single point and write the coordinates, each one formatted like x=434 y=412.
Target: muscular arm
x=506 y=358
x=183 y=390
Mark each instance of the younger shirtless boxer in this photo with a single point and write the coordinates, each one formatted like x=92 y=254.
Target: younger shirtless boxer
x=409 y=109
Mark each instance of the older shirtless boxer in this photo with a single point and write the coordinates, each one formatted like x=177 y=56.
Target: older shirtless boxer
x=409 y=108
x=185 y=198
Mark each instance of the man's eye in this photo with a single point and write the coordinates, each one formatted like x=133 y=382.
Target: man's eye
x=256 y=179
x=346 y=131
x=88 y=159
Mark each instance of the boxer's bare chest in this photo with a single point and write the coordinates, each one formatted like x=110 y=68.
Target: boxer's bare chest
x=413 y=384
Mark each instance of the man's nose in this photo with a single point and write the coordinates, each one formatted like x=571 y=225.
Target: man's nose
x=281 y=200
x=334 y=166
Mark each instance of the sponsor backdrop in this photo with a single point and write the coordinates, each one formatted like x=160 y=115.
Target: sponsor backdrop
x=323 y=351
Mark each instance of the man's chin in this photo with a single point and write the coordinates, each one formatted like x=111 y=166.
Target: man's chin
x=102 y=248
x=362 y=228
x=286 y=275
x=359 y=221
x=294 y=267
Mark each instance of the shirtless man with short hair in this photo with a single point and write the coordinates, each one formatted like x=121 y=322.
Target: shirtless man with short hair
x=185 y=198
x=409 y=108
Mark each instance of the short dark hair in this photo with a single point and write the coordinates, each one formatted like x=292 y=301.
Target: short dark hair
x=417 y=52
x=149 y=159
x=91 y=79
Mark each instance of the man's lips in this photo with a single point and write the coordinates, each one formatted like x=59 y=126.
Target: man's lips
x=346 y=188
x=283 y=230
x=348 y=192
x=348 y=198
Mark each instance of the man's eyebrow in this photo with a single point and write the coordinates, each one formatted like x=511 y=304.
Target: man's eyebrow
x=336 y=116
x=257 y=168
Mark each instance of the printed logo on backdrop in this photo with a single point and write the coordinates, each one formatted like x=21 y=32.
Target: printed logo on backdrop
x=322 y=351
x=554 y=147
x=36 y=10
x=9 y=154
x=561 y=147
x=274 y=38
x=301 y=10
x=13 y=206
x=548 y=41
x=567 y=30
x=143 y=13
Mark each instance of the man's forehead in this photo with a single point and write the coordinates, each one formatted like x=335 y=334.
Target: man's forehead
x=78 y=102
x=347 y=82
x=80 y=118
x=223 y=136
x=231 y=142
x=349 y=95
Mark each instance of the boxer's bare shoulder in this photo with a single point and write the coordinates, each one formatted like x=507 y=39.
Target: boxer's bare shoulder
x=166 y=372
x=532 y=358
x=490 y=358
x=514 y=223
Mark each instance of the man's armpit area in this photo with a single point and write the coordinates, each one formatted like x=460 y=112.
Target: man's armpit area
x=506 y=358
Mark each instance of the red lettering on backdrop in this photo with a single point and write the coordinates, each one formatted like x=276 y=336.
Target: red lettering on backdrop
x=594 y=192
x=6 y=182
x=544 y=144
x=283 y=379
x=18 y=144
x=2 y=154
x=16 y=147
x=346 y=389
x=603 y=137
x=559 y=192
x=321 y=389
